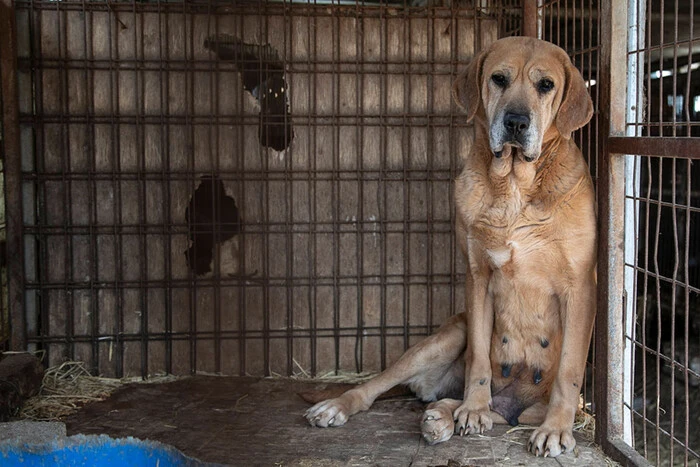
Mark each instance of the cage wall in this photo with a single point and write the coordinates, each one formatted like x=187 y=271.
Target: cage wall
x=663 y=206
x=244 y=189
x=649 y=341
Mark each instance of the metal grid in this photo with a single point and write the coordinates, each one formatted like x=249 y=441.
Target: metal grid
x=649 y=338
x=648 y=343
x=178 y=216
x=663 y=208
x=573 y=25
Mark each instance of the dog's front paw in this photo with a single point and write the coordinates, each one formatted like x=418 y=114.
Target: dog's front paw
x=437 y=425
x=551 y=441
x=470 y=420
x=332 y=412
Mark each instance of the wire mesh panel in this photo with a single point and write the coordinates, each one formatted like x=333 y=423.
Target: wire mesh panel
x=663 y=207
x=245 y=188
x=573 y=25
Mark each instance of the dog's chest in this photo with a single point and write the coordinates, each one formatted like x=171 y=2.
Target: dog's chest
x=510 y=224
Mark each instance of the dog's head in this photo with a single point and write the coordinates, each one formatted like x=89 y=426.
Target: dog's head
x=523 y=89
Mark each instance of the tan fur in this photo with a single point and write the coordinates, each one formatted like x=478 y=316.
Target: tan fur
x=526 y=225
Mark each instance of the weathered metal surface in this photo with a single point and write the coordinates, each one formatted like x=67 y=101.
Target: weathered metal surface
x=530 y=12
x=609 y=338
x=12 y=169
x=678 y=147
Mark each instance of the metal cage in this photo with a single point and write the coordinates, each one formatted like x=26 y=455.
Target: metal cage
x=264 y=188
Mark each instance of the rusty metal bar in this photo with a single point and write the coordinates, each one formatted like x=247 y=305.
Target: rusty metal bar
x=680 y=147
x=609 y=321
x=530 y=18
x=13 y=187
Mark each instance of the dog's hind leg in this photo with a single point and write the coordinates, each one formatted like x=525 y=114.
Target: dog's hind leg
x=433 y=357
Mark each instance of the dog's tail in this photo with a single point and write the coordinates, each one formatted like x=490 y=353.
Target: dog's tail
x=337 y=389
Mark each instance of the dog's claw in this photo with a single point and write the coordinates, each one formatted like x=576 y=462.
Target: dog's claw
x=550 y=442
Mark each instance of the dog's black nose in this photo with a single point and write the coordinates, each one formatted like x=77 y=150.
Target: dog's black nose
x=516 y=123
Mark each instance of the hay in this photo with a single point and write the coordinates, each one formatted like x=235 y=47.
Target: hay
x=347 y=377
x=65 y=388
x=584 y=423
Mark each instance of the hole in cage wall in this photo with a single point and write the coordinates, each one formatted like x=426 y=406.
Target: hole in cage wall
x=214 y=220
x=263 y=77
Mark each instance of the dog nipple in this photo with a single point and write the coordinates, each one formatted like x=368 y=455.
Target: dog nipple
x=505 y=340
x=537 y=377
x=498 y=154
x=505 y=370
x=544 y=343
x=528 y=158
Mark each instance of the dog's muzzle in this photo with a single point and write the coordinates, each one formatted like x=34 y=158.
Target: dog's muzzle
x=514 y=130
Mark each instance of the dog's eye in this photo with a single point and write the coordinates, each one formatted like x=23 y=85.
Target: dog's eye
x=545 y=85
x=499 y=80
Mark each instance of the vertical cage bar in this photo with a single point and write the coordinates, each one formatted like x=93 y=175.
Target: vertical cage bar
x=361 y=226
x=609 y=333
x=530 y=13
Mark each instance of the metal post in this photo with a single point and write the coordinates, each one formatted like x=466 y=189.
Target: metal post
x=530 y=18
x=609 y=343
x=12 y=162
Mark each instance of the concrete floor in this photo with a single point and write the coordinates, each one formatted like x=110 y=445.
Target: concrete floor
x=252 y=421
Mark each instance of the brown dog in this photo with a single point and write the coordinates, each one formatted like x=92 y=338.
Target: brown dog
x=526 y=225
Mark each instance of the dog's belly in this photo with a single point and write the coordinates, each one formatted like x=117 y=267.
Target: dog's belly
x=526 y=339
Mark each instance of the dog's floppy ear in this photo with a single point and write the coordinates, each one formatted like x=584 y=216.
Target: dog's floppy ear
x=466 y=89
x=576 y=107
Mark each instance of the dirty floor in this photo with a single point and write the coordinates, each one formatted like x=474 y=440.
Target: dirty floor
x=253 y=421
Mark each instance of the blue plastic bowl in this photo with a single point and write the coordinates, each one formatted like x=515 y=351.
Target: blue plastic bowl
x=94 y=450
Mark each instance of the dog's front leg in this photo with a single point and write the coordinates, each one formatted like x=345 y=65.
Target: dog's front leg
x=474 y=415
x=555 y=435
